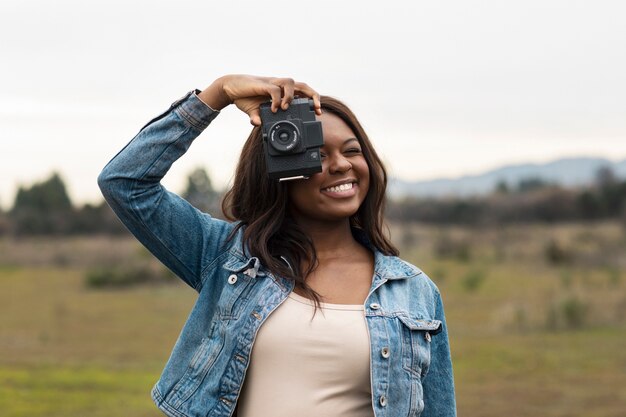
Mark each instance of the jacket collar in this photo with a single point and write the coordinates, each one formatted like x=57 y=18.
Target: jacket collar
x=385 y=267
x=392 y=267
x=248 y=266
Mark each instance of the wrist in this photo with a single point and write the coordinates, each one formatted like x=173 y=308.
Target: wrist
x=214 y=95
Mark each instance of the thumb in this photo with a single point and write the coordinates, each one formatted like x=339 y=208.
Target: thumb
x=255 y=117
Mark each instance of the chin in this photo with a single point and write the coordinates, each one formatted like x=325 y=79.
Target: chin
x=340 y=214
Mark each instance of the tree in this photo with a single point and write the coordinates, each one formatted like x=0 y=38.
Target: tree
x=605 y=177
x=590 y=205
x=90 y=219
x=200 y=192
x=4 y=223
x=531 y=184
x=47 y=195
x=44 y=208
x=611 y=192
x=502 y=187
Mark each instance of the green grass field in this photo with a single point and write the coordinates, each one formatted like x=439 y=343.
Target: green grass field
x=530 y=335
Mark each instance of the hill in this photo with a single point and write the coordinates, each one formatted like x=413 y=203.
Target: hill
x=568 y=172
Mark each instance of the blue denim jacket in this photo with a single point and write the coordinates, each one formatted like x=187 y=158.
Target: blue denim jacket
x=411 y=371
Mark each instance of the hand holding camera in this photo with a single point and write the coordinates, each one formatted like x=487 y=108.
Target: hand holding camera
x=292 y=137
x=248 y=92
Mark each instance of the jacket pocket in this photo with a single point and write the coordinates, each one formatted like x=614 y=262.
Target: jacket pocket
x=235 y=296
x=416 y=337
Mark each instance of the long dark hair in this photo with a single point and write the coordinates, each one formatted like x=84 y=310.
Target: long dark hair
x=261 y=207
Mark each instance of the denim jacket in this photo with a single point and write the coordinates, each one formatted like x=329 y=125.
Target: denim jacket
x=411 y=370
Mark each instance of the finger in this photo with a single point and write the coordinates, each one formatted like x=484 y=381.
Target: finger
x=255 y=117
x=311 y=93
x=288 y=86
x=288 y=92
x=317 y=103
x=275 y=92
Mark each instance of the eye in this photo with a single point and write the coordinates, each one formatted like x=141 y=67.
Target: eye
x=353 y=151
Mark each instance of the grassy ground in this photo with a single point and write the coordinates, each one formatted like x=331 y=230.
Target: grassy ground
x=520 y=345
x=66 y=350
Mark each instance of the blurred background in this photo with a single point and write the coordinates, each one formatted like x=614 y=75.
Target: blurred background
x=502 y=124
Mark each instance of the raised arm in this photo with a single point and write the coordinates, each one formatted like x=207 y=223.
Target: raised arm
x=183 y=238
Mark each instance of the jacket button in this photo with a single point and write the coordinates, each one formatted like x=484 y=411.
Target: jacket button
x=427 y=337
x=256 y=315
x=374 y=306
x=385 y=352
x=232 y=279
x=383 y=400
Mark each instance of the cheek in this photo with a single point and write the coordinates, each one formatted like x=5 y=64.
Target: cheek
x=364 y=173
x=300 y=193
x=295 y=195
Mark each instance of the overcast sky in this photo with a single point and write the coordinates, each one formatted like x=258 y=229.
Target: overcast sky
x=444 y=88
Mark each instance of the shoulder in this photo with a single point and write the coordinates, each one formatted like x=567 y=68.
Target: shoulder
x=235 y=248
x=406 y=285
x=396 y=268
x=420 y=278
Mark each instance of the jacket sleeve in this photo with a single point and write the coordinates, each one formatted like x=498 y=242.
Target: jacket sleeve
x=183 y=238
x=438 y=385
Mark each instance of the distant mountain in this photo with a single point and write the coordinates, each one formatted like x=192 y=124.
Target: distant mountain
x=568 y=172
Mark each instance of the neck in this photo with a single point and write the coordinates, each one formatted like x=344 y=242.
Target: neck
x=331 y=240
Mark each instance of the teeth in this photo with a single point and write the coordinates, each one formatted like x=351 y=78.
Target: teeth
x=340 y=188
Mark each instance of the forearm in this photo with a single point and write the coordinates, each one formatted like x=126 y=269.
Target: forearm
x=147 y=158
x=165 y=223
x=183 y=238
x=214 y=95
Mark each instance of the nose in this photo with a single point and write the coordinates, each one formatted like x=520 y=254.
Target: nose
x=339 y=164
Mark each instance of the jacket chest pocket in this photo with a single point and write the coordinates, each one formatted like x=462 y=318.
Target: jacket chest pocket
x=236 y=295
x=416 y=339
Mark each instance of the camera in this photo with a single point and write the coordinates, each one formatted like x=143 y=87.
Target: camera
x=292 y=140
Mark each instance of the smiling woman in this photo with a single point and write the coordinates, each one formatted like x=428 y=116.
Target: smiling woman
x=298 y=219
x=250 y=346
x=336 y=193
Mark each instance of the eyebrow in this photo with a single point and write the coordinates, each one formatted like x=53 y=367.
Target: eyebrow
x=345 y=142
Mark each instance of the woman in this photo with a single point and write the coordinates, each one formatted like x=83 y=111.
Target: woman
x=253 y=344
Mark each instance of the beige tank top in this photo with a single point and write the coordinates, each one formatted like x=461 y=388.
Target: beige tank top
x=309 y=368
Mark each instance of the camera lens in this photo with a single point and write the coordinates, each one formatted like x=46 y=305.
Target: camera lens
x=284 y=136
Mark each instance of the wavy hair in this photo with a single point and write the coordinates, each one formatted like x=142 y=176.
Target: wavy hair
x=261 y=207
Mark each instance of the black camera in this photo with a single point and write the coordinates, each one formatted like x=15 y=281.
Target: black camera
x=291 y=140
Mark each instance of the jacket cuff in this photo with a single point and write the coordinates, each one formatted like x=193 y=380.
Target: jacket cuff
x=197 y=113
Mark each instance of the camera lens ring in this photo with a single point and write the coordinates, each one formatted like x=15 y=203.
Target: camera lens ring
x=284 y=136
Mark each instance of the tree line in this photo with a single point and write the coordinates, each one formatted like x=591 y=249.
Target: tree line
x=531 y=200
x=45 y=208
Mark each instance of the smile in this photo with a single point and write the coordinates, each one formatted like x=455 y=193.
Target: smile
x=339 y=188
